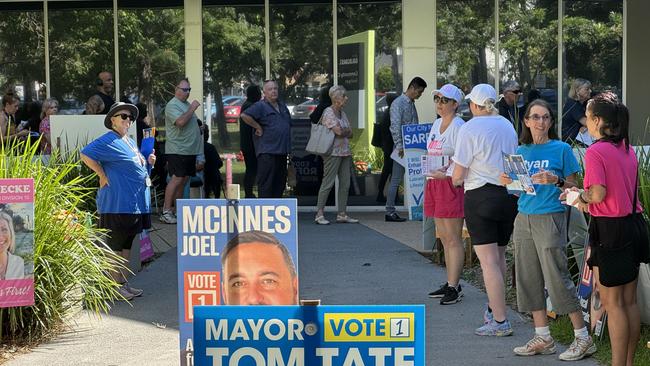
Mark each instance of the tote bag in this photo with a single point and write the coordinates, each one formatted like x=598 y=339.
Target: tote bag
x=321 y=139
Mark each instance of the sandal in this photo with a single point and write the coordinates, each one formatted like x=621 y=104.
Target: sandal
x=345 y=219
x=320 y=220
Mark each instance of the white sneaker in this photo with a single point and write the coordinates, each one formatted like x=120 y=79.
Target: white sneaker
x=579 y=349
x=168 y=217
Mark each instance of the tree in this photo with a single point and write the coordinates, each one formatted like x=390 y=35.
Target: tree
x=22 y=52
x=233 y=41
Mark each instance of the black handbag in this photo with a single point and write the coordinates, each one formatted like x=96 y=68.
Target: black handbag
x=376 y=135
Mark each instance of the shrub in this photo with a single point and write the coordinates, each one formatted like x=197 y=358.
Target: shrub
x=71 y=264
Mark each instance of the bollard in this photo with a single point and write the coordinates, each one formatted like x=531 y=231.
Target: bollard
x=232 y=192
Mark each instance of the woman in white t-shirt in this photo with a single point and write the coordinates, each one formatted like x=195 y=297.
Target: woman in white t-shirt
x=489 y=210
x=443 y=201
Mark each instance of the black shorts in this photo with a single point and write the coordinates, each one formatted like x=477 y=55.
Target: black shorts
x=122 y=228
x=617 y=249
x=490 y=214
x=181 y=165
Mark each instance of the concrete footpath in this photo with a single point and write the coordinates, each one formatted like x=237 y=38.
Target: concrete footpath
x=339 y=264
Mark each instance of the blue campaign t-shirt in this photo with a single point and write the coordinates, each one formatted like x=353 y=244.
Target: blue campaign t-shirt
x=555 y=156
x=276 y=128
x=126 y=192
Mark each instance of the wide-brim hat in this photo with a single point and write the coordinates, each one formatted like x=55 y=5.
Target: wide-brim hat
x=117 y=107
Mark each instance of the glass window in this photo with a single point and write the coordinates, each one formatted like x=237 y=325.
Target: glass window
x=386 y=21
x=22 y=59
x=465 y=43
x=301 y=50
x=233 y=57
x=81 y=46
x=152 y=57
x=592 y=51
x=593 y=44
x=528 y=48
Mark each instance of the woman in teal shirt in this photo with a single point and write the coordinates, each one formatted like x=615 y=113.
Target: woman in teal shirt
x=540 y=235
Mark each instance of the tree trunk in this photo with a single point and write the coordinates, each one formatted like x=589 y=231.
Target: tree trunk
x=219 y=119
x=395 y=69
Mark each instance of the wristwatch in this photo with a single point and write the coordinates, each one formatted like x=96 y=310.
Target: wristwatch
x=560 y=182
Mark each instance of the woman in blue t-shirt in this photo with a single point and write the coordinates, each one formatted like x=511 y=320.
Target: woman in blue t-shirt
x=123 y=199
x=540 y=235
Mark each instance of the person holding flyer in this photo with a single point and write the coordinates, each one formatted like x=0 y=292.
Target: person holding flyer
x=617 y=237
x=540 y=235
x=123 y=199
x=442 y=200
x=489 y=210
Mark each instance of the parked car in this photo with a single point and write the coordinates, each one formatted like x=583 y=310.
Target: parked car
x=228 y=101
x=232 y=111
x=304 y=109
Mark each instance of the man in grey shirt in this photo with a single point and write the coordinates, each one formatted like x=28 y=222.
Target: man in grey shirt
x=183 y=143
x=402 y=112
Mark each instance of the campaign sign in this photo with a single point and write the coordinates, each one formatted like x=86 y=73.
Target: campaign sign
x=17 y=242
x=373 y=335
x=415 y=145
x=593 y=312
x=234 y=252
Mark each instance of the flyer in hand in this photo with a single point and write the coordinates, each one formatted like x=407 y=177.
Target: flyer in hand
x=515 y=166
x=431 y=163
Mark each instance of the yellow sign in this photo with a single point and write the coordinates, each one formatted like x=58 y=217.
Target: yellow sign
x=369 y=327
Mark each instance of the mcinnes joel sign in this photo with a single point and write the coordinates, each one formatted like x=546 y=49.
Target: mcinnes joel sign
x=379 y=335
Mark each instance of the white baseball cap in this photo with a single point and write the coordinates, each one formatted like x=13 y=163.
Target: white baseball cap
x=450 y=91
x=481 y=93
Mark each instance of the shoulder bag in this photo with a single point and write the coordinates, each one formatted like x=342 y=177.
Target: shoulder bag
x=321 y=139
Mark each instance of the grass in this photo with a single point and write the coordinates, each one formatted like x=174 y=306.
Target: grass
x=562 y=331
x=561 y=328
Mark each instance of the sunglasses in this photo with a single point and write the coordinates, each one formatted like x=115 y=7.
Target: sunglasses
x=518 y=91
x=125 y=116
x=443 y=100
x=186 y=90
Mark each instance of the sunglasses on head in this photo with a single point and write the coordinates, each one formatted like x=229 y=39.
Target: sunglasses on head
x=443 y=100
x=125 y=116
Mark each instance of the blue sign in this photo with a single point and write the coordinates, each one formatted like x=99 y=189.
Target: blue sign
x=309 y=335
x=415 y=137
x=241 y=252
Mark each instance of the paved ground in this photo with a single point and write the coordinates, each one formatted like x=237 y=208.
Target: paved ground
x=339 y=264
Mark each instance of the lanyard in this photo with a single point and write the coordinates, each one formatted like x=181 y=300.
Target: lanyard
x=135 y=150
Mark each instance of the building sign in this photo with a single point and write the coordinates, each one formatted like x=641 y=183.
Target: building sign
x=352 y=75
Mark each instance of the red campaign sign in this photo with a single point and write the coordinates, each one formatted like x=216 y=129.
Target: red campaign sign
x=200 y=288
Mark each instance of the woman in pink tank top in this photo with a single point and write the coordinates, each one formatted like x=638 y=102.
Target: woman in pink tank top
x=618 y=239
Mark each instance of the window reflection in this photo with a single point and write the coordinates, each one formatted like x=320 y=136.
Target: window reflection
x=81 y=46
x=465 y=43
x=22 y=54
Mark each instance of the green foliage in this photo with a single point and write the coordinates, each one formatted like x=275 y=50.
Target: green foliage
x=384 y=79
x=70 y=261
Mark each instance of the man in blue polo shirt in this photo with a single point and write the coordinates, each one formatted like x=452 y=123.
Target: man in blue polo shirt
x=272 y=138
